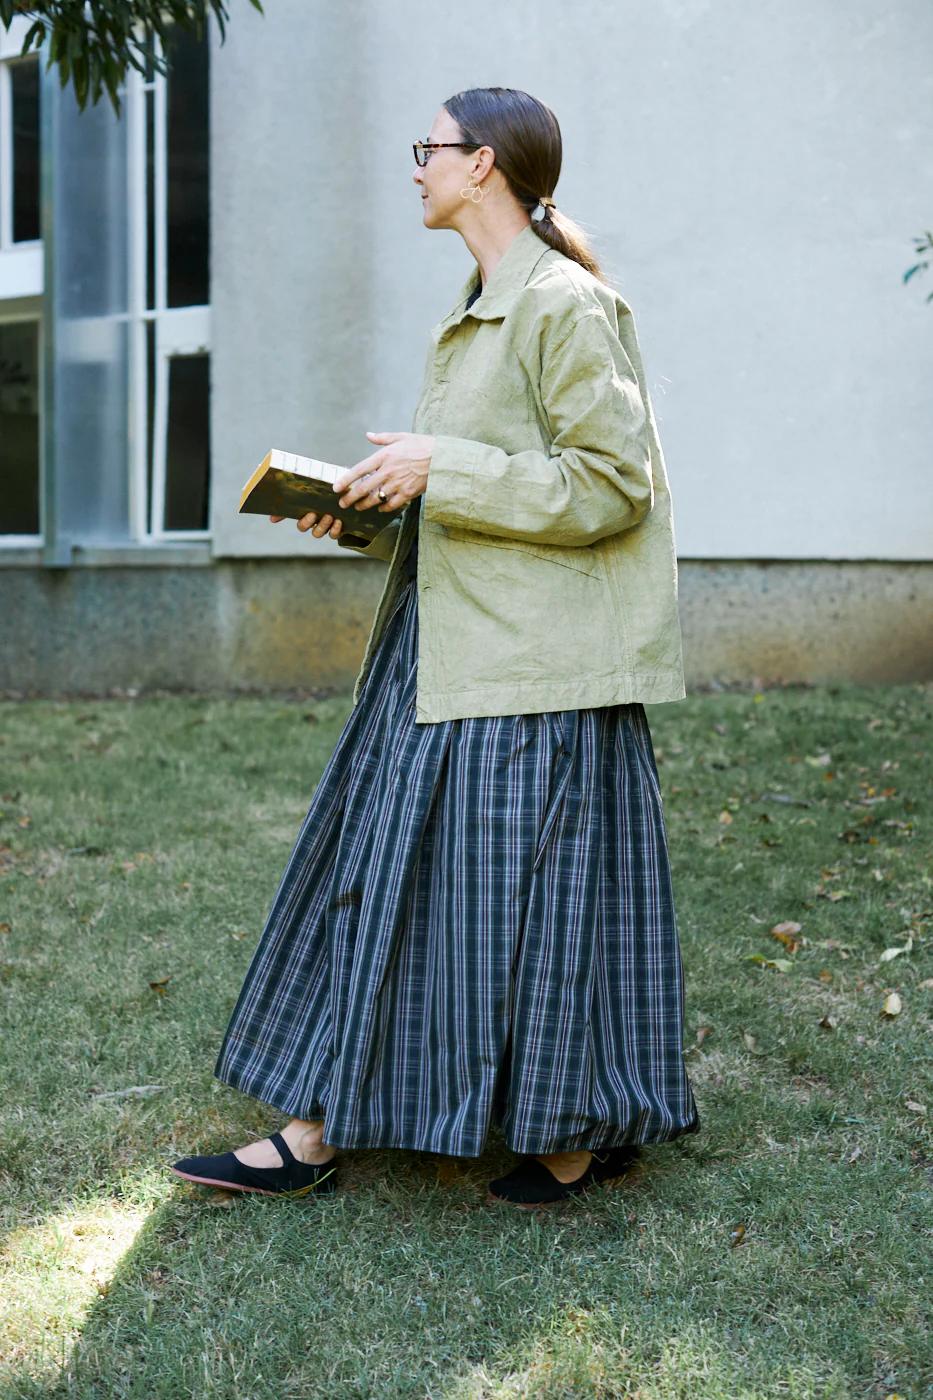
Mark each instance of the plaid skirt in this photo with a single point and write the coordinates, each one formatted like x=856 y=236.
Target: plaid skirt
x=475 y=928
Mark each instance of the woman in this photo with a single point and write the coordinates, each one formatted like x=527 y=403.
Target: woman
x=476 y=923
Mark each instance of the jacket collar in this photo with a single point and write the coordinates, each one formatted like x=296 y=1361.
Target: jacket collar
x=509 y=275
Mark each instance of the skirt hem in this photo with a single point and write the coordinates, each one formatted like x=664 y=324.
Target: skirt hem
x=362 y=1142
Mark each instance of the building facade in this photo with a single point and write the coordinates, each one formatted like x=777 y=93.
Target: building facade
x=238 y=262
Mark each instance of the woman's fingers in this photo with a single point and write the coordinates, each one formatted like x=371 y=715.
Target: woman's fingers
x=328 y=522
x=309 y=521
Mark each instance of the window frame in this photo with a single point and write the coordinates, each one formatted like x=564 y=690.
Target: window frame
x=184 y=330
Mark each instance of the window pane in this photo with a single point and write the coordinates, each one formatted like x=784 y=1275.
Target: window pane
x=150 y=416
x=150 y=200
x=187 y=454
x=19 y=428
x=87 y=300
x=24 y=83
x=187 y=158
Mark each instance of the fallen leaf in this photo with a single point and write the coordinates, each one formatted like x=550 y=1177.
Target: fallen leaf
x=827 y=1023
x=916 y=1107
x=448 y=1172
x=892 y=1005
x=890 y=953
x=788 y=926
x=785 y=797
x=833 y=945
x=160 y=985
x=782 y=964
x=786 y=939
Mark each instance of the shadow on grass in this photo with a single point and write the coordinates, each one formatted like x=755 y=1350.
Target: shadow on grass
x=405 y=1282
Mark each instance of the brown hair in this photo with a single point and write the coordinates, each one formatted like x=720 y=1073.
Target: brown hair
x=525 y=136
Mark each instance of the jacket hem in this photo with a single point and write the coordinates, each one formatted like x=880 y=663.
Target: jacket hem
x=516 y=697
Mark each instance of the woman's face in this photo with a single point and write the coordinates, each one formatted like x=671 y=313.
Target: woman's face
x=446 y=173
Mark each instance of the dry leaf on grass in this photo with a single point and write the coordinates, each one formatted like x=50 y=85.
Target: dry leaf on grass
x=890 y=953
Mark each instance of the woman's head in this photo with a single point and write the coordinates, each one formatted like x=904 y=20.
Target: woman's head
x=509 y=152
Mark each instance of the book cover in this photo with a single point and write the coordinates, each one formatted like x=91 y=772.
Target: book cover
x=288 y=484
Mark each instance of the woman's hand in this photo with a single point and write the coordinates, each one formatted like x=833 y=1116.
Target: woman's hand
x=400 y=468
x=326 y=522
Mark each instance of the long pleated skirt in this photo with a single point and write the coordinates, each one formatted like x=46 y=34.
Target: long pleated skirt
x=475 y=928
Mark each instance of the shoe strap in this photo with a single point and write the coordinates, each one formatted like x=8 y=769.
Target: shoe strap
x=285 y=1152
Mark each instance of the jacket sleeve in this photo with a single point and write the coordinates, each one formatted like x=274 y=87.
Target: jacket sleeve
x=597 y=480
x=381 y=546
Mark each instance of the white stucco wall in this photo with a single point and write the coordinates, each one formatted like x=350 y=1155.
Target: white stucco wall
x=752 y=177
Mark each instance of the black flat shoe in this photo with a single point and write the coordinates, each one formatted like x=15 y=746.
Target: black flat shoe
x=292 y=1178
x=531 y=1184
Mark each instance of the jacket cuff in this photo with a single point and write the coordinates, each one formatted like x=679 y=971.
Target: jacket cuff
x=448 y=496
x=381 y=546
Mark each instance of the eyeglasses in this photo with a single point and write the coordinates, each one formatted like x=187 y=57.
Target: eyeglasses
x=423 y=149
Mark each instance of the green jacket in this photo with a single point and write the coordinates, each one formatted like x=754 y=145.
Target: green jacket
x=547 y=575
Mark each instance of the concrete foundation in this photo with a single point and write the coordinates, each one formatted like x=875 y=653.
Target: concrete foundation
x=268 y=625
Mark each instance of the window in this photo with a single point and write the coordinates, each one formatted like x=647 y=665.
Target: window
x=19 y=428
x=19 y=148
x=106 y=441
x=20 y=293
x=24 y=149
x=170 y=272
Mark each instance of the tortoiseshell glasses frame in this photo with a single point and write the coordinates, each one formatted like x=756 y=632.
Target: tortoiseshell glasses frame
x=423 y=148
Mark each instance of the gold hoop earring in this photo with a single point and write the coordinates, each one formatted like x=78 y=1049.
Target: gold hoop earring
x=471 y=191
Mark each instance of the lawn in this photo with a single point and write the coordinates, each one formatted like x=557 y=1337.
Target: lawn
x=784 y=1250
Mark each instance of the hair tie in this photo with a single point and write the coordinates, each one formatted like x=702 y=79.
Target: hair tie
x=547 y=202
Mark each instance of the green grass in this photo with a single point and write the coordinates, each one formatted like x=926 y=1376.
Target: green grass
x=782 y=1251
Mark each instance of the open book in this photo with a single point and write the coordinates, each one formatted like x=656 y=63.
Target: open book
x=289 y=485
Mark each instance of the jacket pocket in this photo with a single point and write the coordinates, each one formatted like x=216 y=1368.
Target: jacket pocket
x=583 y=558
